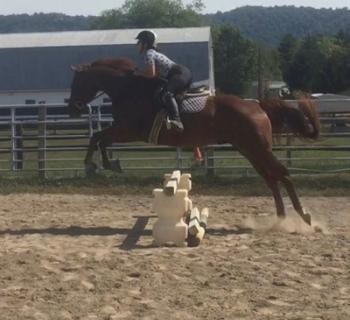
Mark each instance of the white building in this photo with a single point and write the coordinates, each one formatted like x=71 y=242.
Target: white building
x=35 y=67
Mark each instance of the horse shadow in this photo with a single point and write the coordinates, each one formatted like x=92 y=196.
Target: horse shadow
x=132 y=235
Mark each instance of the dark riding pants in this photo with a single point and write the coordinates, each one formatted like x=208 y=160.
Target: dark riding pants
x=179 y=79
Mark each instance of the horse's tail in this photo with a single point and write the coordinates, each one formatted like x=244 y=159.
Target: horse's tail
x=303 y=121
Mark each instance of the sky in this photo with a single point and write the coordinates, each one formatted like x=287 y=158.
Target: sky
x=95 y=7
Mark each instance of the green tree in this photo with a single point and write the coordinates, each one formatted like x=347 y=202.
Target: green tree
x=270 y=59
x=321 y=64
x=287 y=50
x=151 y=14
x=307 y=66
x=337 y=68
x=235 y=60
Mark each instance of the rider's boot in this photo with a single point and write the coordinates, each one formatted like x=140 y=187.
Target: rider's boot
x=173 y=111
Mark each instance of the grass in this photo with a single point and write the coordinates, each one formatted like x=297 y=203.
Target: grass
x=236 y=177
x=310 y=185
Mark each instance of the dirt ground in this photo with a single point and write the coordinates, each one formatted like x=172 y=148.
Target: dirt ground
x=91 y=257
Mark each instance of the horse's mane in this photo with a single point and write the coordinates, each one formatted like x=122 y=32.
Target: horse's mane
x=123 y=70
x=121 y=64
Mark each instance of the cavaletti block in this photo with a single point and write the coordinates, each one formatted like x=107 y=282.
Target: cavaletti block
x=171 y=205
x=178 y=222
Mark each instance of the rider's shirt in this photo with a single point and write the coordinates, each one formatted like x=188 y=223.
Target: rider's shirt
x=162 y=63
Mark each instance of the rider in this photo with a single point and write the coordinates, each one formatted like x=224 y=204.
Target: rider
x=178 y=77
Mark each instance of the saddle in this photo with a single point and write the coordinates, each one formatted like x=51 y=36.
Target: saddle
x=192 y=101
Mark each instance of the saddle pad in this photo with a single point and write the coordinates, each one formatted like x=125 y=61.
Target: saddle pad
x=190 y=104
x=193 y=104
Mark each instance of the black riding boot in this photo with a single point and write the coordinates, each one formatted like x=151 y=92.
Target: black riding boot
x=173 y=111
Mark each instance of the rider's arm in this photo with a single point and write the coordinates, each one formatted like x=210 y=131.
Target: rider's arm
x=150 y=70
x=150 y=61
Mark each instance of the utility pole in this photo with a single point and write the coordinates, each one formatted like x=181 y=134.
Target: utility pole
x=261 y=88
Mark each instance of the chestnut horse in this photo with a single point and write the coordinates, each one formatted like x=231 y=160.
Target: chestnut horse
x=224 y=119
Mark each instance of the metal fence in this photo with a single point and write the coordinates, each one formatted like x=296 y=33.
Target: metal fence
x=42 y=138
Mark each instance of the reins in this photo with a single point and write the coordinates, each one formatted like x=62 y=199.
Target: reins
x=98 y=95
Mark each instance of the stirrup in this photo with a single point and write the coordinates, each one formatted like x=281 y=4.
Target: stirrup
x=174 y=124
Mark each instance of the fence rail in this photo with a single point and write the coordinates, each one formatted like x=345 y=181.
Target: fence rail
x=46 y=140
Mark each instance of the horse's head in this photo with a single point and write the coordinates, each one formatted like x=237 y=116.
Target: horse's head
x=88 y=81
x=83 y=90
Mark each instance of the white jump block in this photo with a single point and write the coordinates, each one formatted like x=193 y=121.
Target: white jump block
x=197 y=226
x=204 y=217
x=195 y=240
x=194 y=223
x=182 y=181
x=172 y=206
x=170 y=226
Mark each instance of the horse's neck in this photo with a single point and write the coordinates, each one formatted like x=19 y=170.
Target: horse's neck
x=143 y=86
x=134 y=91
x=138 y=88
x=106 y=82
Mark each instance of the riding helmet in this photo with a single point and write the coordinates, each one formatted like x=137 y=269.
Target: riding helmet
x=147 y=37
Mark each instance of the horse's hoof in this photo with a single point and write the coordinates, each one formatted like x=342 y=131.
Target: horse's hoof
x=116 y=167
x=307 y=218
x=90 y=169
x=318 y=229
x=107 y=166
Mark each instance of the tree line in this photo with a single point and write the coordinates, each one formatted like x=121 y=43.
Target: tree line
x=314 y=63
x=267 y=25
x=43 y=22
x=303 y=53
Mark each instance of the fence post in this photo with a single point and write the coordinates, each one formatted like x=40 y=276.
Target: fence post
x=289 y=152
x=178 y=158
x=99 y=128
x=42 y=141
x=13 y=139
x=91 y=120
x=209 y=161
x=19 y=147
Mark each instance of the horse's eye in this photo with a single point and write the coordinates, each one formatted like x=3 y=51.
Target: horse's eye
x=80 y=105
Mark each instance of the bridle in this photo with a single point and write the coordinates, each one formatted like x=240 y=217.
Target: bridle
x=98 y=95
x=80 y=106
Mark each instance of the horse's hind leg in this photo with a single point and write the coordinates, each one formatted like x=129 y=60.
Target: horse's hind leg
x=281 y=213
x=273 y=172
x=270 y=169
x=295 y=199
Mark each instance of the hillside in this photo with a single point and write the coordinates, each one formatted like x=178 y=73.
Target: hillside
x=43 y=22
x=269 y=25
x=263 y=24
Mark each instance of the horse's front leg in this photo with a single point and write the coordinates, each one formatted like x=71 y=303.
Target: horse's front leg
x=101 y=139
x=105 y=141
x=90 y=166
